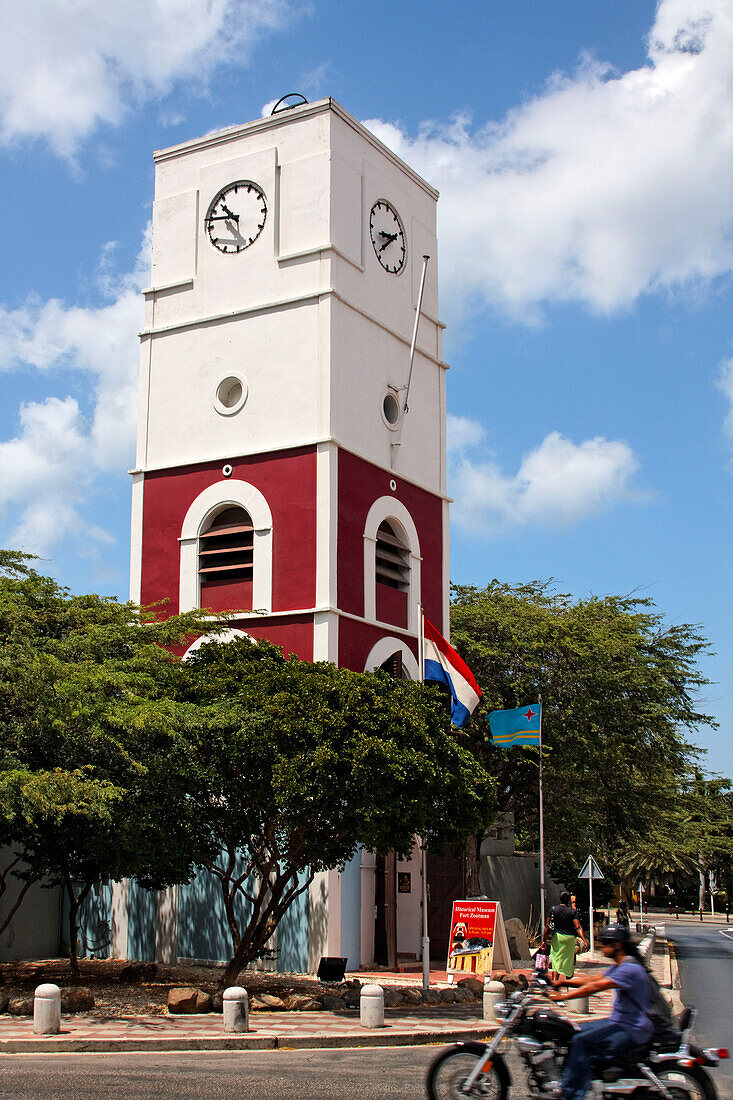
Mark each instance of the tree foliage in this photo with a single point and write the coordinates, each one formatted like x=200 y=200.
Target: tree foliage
x=296 y=765
x=619 y=688
x=86 y=719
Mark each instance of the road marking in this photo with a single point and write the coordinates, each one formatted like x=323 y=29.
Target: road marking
x=727 y=932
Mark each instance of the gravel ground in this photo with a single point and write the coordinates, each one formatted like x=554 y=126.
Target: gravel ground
x=146 y=997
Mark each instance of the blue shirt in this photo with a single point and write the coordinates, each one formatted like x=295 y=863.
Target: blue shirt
x=633 y=999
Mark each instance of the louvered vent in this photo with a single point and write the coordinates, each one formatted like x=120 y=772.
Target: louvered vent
x=393 y=559
x=226 y=547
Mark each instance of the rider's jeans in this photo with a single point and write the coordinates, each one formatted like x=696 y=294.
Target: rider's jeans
x=599 y=1039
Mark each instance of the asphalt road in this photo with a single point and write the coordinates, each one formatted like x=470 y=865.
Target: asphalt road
x=374 y=1073
x=705 y=955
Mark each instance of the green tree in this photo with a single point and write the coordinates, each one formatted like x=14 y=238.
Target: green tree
x=292 y=766
x=87 y=726
x=619 y=689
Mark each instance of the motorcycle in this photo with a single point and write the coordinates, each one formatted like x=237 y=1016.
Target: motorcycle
x=669 y=1066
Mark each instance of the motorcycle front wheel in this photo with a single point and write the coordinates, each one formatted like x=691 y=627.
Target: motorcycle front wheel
x=449 y=1072
x=687 y=1084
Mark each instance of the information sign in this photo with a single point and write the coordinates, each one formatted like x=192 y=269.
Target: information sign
x=478 y=939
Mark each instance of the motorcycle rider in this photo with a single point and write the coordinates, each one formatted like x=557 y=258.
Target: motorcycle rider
x=628 y=1025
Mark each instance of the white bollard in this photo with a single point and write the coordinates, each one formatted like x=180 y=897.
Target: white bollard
x=47 y=1010
x=578 y=1005
x=493 y=992
x=371 y=1006
x=235 y=1006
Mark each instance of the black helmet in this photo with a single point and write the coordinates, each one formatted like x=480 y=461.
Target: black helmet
x=615 y=933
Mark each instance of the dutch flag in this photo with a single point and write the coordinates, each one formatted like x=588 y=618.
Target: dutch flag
x=444 y=665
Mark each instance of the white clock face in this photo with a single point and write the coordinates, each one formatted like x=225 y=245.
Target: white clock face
x=237 y=216
x=388 y=237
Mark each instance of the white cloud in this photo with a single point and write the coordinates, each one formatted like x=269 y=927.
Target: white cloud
x=67 y=66
x=725 y=385
x=604 y=187
x=463 y=433
x=558 y=483
x=48 y=470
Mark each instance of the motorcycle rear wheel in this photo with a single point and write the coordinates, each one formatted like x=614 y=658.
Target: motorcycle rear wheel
x=687 y=1083
x=451 y=1070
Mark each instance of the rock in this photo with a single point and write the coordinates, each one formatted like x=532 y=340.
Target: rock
x=203 y=1001
x=448 y=996
x=332 y=1002
x=217 y=1002
x=138 y=972
x=475 y=985
x=392 y=997
x=76 y=998
x=4 y=1002
x=183 y=1000
x=301 y=1002
x=21 y=1006
x=431 y=996
x=511 y=982
x=463 y=996
x=517 y=936
x=271 y=1002
x=412 y=996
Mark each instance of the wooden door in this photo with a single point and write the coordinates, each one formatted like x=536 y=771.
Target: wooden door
x=446 y=884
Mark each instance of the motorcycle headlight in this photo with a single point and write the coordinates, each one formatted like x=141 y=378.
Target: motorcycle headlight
x=502 y=1010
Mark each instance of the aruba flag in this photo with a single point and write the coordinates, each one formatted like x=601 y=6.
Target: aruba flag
x=444 y=665
x=521 y=726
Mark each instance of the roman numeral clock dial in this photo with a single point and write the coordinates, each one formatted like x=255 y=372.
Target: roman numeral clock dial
x=388 y=237
x=237 y=216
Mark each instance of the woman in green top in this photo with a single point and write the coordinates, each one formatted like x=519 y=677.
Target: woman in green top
x=566 y=926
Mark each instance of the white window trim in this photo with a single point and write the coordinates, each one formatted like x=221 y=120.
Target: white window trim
x=384 y=648
x=227 y=494
x=387 y=508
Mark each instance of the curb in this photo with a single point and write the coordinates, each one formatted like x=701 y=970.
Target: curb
x=246 y=1042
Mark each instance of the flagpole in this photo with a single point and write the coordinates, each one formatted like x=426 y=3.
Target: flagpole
x=542 y=838
x=424 y=858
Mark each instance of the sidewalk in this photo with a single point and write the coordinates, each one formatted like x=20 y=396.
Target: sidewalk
x=293 y=1030
x=268 y=1031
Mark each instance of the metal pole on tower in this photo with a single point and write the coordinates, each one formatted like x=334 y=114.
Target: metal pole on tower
x=405 y=407
x=424 y=861
x=542 y=836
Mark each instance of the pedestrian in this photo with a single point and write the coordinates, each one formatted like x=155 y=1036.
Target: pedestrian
x=629 y=1024
x=562 y=928
x=622 y=913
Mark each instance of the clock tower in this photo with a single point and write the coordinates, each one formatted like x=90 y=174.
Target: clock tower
x=278 y=467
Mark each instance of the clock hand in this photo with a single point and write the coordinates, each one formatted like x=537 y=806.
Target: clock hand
x=390 y=237
x=234 y=217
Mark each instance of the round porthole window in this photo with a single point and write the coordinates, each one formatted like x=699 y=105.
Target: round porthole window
x=231 y=394
x=391 y=410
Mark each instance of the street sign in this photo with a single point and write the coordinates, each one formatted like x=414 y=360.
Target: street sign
x=640 y=889
x=591 y=870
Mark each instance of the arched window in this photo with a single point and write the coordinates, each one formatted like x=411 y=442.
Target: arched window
x=392 y=558
x=391 y=565
x=226 y=550
x=226 y=560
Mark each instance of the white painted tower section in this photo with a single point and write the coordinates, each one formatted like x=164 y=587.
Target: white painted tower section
x=305 y=316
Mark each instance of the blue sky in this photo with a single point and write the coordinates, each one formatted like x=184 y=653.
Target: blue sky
x=583 y=152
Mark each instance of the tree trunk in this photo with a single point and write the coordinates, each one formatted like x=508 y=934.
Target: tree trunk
x=473 y=865
x=75 y=903
x=19 y=900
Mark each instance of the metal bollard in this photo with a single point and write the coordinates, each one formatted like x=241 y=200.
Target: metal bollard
x=235 y=1006
x=493 y=992
x=371 y=1006
x=47 y=1010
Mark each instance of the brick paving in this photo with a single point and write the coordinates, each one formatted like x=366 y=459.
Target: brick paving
x=267 y=1031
